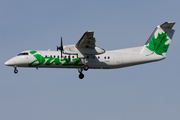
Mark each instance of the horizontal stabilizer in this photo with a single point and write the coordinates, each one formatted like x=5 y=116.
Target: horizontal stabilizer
x=167 y=25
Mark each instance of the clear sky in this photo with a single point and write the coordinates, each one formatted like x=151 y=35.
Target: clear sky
x=143 y=92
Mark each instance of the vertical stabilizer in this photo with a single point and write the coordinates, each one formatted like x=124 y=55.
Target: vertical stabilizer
x=159 y=41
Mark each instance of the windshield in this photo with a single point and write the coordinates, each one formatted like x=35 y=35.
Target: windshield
x=25 y=53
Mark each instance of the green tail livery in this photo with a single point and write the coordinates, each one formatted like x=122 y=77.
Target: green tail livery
x=157 y=45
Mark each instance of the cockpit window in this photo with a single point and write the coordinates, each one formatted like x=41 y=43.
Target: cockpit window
x=25 y=53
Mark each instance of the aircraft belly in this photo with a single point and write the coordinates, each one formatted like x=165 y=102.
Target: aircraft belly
x=135 y=59
x=128 y=59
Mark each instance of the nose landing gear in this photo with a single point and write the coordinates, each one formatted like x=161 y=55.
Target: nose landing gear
x=15 y=70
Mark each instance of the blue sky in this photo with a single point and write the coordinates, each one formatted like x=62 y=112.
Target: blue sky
x=143 y=92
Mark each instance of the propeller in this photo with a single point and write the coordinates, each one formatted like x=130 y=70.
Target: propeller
x=60 y=47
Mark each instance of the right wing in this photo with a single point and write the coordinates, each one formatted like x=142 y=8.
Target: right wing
x=85 y=46
x=87 y=40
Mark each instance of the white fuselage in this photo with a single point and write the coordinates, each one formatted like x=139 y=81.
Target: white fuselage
x=108 y=60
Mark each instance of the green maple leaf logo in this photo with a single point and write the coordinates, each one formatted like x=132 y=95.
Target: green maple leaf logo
x=157 y=45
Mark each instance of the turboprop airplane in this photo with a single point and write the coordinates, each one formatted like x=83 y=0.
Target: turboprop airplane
x=86 y=55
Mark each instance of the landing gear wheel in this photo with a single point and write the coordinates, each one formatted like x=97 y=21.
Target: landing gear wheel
x=15 y=70
x=85 y=67
x=81 y=75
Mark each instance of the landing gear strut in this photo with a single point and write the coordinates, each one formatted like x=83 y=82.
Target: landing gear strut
x=84 y=61
x=15 y=70
x=85 y=67
x=81 y=75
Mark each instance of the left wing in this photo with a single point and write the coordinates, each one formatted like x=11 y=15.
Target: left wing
x=87 y=40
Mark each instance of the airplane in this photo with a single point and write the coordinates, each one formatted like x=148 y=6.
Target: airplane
x=86 y=55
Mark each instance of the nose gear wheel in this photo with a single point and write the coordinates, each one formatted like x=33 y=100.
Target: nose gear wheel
x=15 y=70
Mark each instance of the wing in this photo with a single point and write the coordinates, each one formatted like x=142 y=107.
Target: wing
x=87 y=40
x=85 y=46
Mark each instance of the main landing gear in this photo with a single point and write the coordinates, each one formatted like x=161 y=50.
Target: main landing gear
x=81 y=75
x=15 y=70
x=85 y=68
x=84 y=61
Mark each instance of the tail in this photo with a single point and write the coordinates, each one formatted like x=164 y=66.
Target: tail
x=159 y=41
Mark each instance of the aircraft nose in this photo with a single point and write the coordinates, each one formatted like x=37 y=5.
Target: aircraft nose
x=6 y=63
x=10 y=62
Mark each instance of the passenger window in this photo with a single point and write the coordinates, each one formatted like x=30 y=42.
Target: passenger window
x=104 y=57
x=54 y=56
x=46 y=56
x=98 y=57
x=51 y=56
x=108 y=57
x=87 y=57
x=58 y=56
x=72 y=56
x=94 y=57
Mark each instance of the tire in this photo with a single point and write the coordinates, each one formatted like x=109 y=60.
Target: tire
x=81 y=76
x=15 y=71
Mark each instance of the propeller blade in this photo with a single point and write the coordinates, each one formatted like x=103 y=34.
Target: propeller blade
x=61 y=53
x=60 y=47
x=61 y=44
